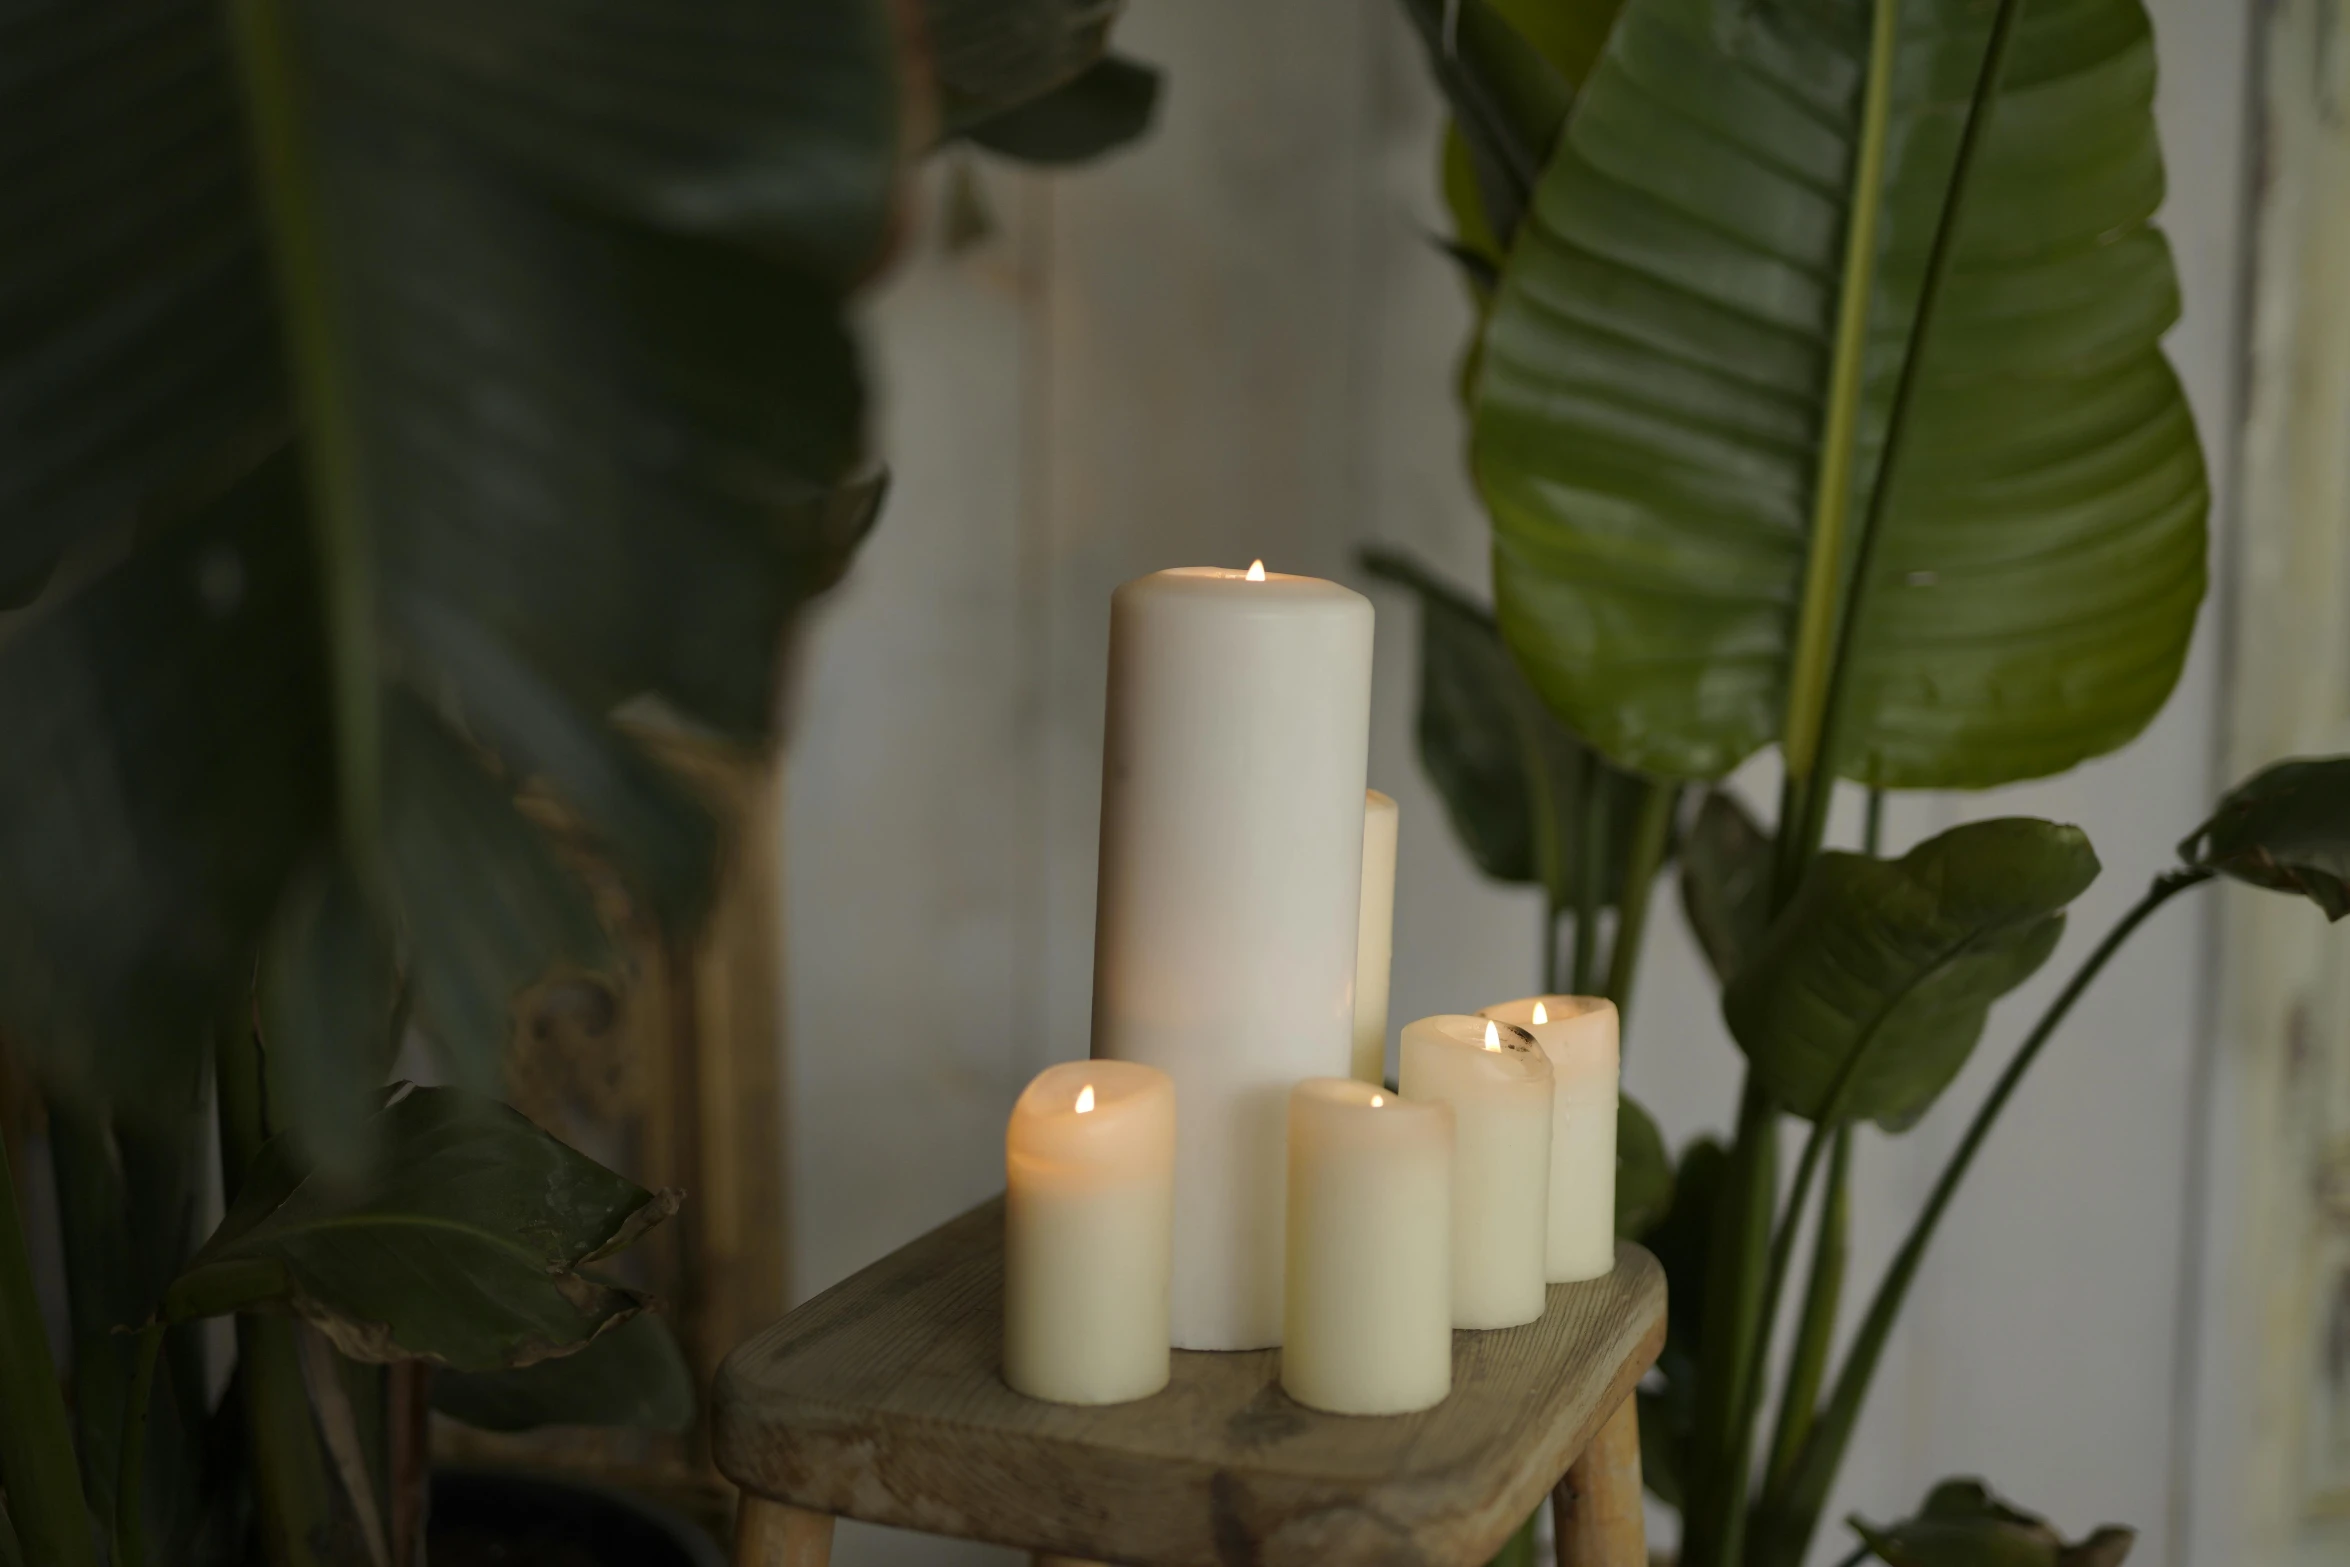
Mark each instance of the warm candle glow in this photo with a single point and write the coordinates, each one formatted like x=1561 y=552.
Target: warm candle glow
x=1256 y=571
x=1377 y=1100
x=1085 y=1099
x=1541 y=1013
x=1492 y=1036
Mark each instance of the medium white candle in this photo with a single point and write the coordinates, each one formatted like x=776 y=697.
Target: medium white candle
x=1231 y=864
x=1089 y=1162
x=1367 y=1319
x=1580 y=1036
x=1375 y=938
x=1497 y=1081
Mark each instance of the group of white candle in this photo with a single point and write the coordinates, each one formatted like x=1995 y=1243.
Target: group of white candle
x=1230 y=1172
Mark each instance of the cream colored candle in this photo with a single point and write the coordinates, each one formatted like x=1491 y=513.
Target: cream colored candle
x=1089 y=1162
x=1497 y=1081
x=1367 y=1315
x=1580 y=1036
x=1375 y=938
x=1231 y=867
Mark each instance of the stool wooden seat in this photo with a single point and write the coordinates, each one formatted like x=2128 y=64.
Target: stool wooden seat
x=883 y=1399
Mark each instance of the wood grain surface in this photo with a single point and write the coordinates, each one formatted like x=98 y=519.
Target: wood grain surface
x=1599 y=1514
x=882 y=1399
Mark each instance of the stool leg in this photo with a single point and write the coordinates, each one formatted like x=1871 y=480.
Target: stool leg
x=1597 y=1506
x=769 y=1534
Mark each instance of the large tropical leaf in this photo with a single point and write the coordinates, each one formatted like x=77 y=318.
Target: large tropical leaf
x=635 y=1375
x=1726 y=882
x=1873 y=984
x=1102 y=109
x=2287 y=828
x=574 y=419
x=1511 y=776
x=1655 y=387
x=464 y=1248
x=1962 y=1524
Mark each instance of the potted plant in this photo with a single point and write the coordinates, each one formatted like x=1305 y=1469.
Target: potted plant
x=402 y=391
x=1817 y=400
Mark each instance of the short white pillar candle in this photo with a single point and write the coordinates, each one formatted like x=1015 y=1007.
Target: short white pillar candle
x=1367 y=1315
x=1375 y=938
x=1580 y=1036
x=1227 y=909
x=1497 y=1081
x=1089 y=1188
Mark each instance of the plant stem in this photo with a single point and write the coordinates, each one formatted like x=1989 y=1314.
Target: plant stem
x=1650 y=832
x=1832 y=479
x=1714 y=1518
x=1905 y=385
x=276 y=115
x=130 y=1490
x=37 y=1462
x=289 y=1473
x=1590 y=873
x=1789 y=1514
x=1807 y=1367
x=1872 y=826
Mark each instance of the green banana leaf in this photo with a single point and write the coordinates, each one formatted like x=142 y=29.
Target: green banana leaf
x=635 y=1375
x=1655 y=389
x=2287 y=828
x=401 y=396
x=1873 y=984
x=1963 y=1525
x=464 y=1247
x=1511 y=776
x=1726 y=882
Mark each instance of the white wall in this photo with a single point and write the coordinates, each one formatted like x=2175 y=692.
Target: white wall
x=1237 y=341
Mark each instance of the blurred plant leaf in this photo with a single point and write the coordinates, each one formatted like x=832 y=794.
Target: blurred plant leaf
x=462 y=1247
x=1107 y=106
x=1963 y=1525
x=329 y=996
x=1654 y=385
x=2287 y=827
x=1494 y=753
x=1682 y=1242
x=634 y=1375
x=1509 y=103
x=1567 y=33
x=1873 y=984
x=988 y=55
x=1726 y=882
x=1644 y=1171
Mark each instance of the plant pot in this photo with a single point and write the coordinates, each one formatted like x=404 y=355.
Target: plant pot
x=502 y=1518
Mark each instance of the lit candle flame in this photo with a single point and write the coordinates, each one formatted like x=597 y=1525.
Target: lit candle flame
x=1377 y=1100
x=1492 y=1036
x=1256 y=571
x=1085 y=1099
x=1541 y=1013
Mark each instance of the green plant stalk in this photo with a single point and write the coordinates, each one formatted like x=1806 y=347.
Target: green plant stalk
x=130 y=1490
x=1807 y=1366
x=1590 y=873
x=1824 y=594
x=1872 y=826
x=37 y=1463
x=289 y=1473
x=1788 y=1515
x=276 y=116
x=1713 y=1521
x=1945 y=242
x=1650 y=832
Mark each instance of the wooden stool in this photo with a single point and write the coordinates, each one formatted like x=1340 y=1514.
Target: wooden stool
x=883 y=1399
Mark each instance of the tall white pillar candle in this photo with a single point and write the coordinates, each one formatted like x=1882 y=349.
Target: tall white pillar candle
x=1089 y=1165
x=1580 y=1036
x=1375 y=938
x=1367 y=1315
x=1497 y=1081
x=1231 y=865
